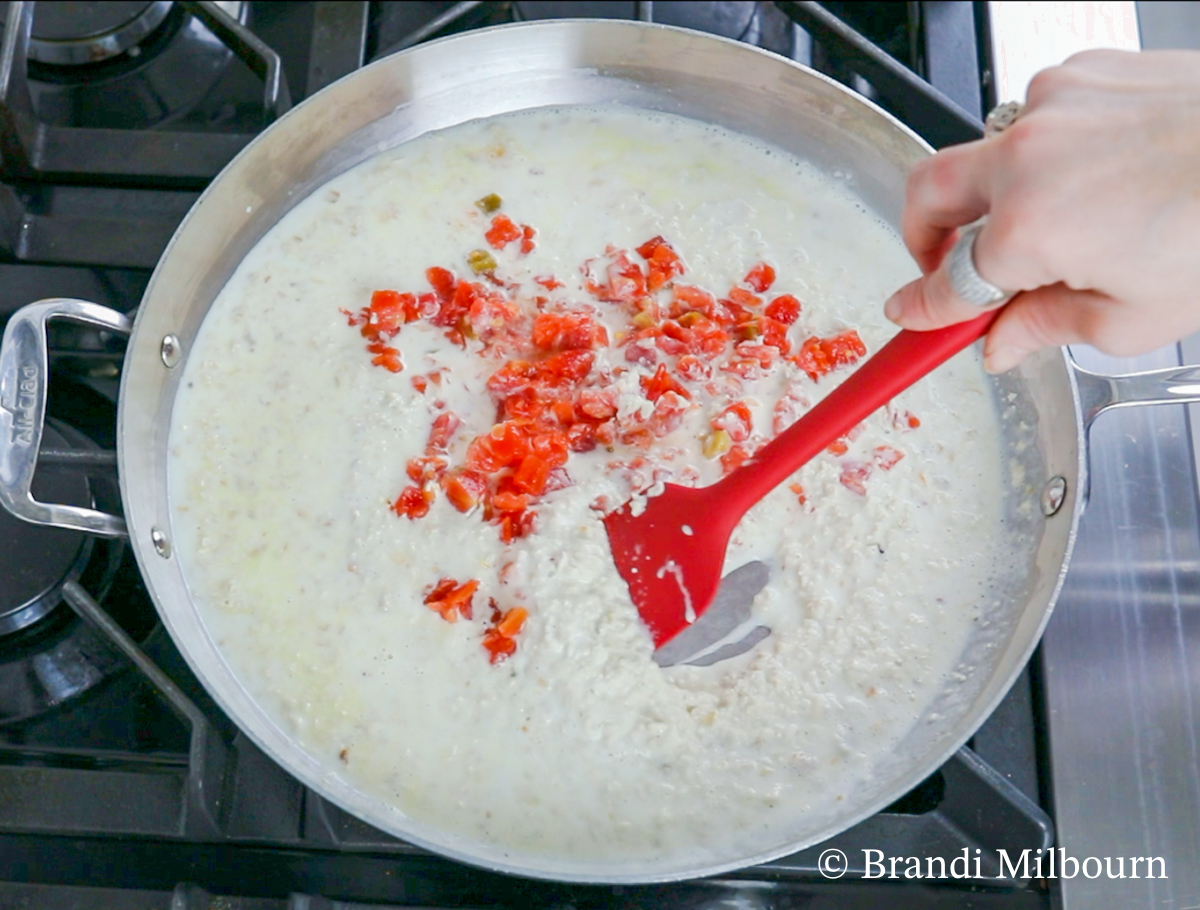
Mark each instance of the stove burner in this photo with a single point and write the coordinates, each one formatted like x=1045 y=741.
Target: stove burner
x=36 y=561
x=47 y=654
x=70 y=33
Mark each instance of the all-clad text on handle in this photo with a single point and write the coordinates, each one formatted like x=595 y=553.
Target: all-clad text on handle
x=24 y=372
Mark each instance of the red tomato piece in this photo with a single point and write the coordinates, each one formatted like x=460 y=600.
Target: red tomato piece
x=413 y=502
x=567 y=331
x=514 y=374
x=499 y=647
x=641 y=354
x=744 y=298
x=510 y=623
x=734 y=459
x=509 y=502
x=662 y=261
x=626 y=281
x=563 y=411
x=442 y=281
x=854 y=476
x=443 y=428
x=502 y=232
x=568 y=367
x=527 y=235
x=735 y=420
x=464 y=489
x=549 y=282
x=389 y=359
x=662 y=382
x=844 y=349
x=886 y=457
x=531 y=475
x=450 y=599
x=598 y=403
x=488 y=312
x=420 y=383
x=552 y=447
x=425 y=468
x=668 y=414
x=581 y=437
x=524 y=404
x=799 y=491
x=838 y=447
x=693 y=368
x=761 y=277
x=785 y=308
x=813 y=359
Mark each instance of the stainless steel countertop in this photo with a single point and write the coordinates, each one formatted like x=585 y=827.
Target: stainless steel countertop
x=1121 y=656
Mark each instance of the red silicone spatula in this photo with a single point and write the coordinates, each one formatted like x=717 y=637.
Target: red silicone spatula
x=672 y=553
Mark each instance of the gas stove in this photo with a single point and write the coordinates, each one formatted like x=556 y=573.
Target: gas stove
x=121 y=783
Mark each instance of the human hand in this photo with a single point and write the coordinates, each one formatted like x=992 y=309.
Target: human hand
x=1093 y=205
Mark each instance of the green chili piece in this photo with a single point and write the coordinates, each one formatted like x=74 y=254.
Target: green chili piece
x=480 y=261
x=489 y=203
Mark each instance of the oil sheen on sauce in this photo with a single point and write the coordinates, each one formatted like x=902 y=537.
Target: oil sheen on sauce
x=287 y=448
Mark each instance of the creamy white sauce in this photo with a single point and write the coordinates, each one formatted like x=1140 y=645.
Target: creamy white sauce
x=287 y=448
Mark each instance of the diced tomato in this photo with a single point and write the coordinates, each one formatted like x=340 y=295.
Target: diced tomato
x=563 y=411
x=686 y=297
x=761 y=277
x=464 y=489
x=568 y=367
x=527 y=235
x=509 y=502
x=549 y=282
x=513 y=375
x=903 y=420
x=524 y=404
x=502 y=232
x=838 y=447
x=531 y=475
x=743 y=367
x=388 y=311
x=668 y=414
x=499 y=647
x=693 y=368
x=886 y=457
x=785 y=308
x=389 y=359
x=487 y=312
x=662 y=260
x=510 y=624
x=854 y=476
x=813 y=359
x=420 y=383
x=845 y=349
x=734 y=420
x=413 y=502
x=424 y=468
x=734 y=459
x=443 y=428
x=443 y=283
x=661 y=382
x=505 y=444
x=450 y=599
x=598 y=403
x=552 y=447
x=743 y=298
x=567 y=331
x=774 y=334
x=641 y=354
x=626 y=281
x=514 y=526
x=581 y=437
x=799 y=491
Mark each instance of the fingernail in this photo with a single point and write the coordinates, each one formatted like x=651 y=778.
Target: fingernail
x=893 y=308
x=1002 y=360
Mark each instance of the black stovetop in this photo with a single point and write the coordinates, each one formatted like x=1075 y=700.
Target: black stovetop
x=113 y=793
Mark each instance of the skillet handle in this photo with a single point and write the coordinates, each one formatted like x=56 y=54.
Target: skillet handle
x=24 y=372
x=1099 y=393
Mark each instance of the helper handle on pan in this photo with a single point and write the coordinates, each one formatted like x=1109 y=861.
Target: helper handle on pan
x=24 y=372
x=1098 y=392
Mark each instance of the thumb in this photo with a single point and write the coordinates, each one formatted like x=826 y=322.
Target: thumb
x=929 y=303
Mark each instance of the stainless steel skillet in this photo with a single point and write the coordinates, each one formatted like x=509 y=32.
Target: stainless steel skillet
x=1047 y=406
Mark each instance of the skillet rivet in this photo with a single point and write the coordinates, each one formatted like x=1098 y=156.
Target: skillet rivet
x=171 y=349
x=162 y=546
x=1054 y=493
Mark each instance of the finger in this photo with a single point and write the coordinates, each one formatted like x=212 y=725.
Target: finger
x=929 y=303
x=1045 y=317
x=945 y=192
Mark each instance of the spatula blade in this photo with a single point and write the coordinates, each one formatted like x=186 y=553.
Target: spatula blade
x=729 y=609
